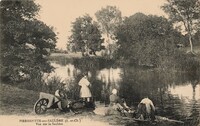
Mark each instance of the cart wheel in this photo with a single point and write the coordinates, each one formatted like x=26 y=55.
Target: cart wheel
x=40 y=106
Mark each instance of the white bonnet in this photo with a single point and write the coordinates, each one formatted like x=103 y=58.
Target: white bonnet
x=114 y=91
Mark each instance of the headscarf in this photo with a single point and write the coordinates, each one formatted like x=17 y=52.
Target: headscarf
x=114 y=91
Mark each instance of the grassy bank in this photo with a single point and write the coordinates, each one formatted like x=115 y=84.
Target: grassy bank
x=16 y=101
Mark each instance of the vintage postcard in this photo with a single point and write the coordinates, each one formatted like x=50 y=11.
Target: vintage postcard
x=100 y=62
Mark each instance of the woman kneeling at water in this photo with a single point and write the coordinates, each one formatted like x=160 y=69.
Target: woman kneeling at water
x=146 y=110
x=118 y=104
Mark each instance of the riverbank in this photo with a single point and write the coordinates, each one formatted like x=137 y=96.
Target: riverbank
x=73 y=55
x=182 y=58
x=17 y=105
x=68 y=55
x=196 y=49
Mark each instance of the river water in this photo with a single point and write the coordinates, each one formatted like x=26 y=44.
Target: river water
x=176 y=95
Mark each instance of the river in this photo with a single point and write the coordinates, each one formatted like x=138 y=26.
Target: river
x=176 y=95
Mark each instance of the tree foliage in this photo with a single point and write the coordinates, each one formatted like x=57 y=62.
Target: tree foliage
x=146 y=40
x=85 y=35
x=109 y=19
x=25 y=41
x=187 y=12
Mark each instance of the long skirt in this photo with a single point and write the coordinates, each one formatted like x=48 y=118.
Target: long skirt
x=85 y=92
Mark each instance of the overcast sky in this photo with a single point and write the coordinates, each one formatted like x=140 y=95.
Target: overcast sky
x=60 y=13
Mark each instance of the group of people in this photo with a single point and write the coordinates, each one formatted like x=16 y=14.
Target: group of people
x=145 y=109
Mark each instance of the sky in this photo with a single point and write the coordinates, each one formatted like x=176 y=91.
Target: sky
x=61 y=13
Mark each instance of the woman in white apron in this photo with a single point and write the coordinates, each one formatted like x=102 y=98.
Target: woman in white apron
x=85 y=92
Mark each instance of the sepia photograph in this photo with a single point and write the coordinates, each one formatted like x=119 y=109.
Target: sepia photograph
x=100 y=62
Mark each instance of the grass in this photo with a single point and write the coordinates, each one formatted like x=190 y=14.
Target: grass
x=16 y=101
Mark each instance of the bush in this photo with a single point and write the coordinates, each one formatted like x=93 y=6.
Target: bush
x=53 y=84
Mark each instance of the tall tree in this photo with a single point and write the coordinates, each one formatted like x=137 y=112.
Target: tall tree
x=187 y=12
x=109 y=18
x=146 y=40
x=86 y=36
x=25 y=41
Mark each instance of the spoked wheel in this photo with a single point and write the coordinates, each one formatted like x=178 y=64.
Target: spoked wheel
x=40 y=106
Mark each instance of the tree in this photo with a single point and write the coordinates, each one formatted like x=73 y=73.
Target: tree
x=146 y=40
x=25 y=41
x=86 y=36
x=109 y=19
x=187 y=12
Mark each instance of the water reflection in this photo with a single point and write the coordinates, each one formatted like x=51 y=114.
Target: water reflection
x=188 y=92
x=65 y=73
x=176 y=95
x=190 y=99
x=110 y=76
